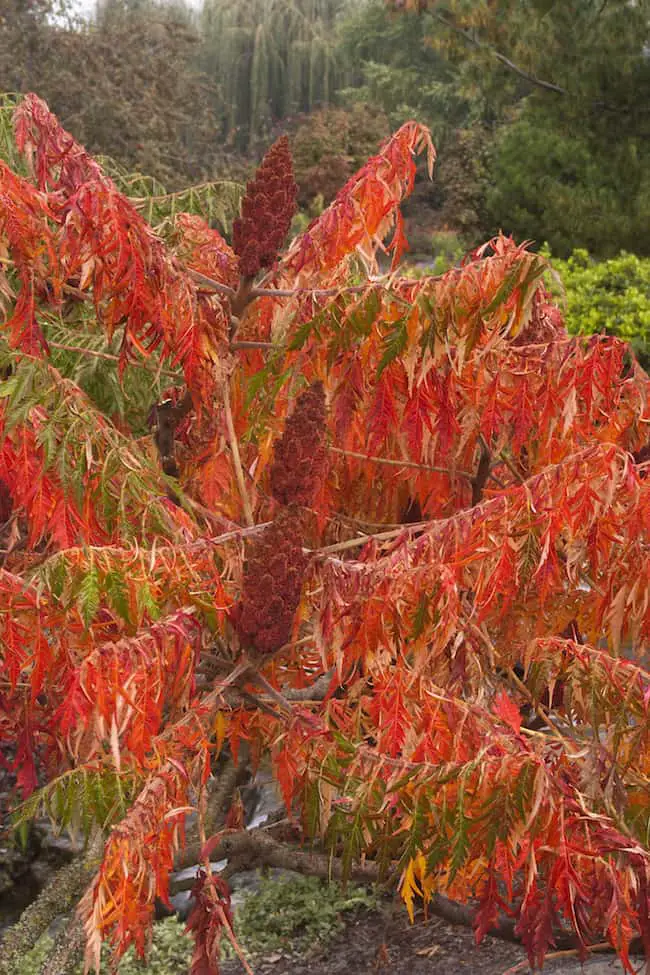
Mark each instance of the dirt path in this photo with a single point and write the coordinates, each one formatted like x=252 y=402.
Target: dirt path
x=385 y=943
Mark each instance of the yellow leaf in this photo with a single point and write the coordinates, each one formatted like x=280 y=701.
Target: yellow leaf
x=220 y=726
x=409 y=886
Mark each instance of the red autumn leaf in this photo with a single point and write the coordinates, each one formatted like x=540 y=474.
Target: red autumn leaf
x=337 y=595
x=506 y=709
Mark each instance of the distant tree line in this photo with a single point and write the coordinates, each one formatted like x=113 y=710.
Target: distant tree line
x=539 y=108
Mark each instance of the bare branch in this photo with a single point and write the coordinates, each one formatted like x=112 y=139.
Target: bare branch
x=237 y=344
x=406 y=530
x=95 y=353
x=472 y=39
x=401 y=463
x=225 y=289
x=314 y=692
x=482 y=474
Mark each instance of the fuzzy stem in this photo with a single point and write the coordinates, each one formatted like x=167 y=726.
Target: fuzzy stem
x=401 y=463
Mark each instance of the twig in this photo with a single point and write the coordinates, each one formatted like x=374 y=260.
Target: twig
x=401 y=463
x=482 y=473
x=386 y=536
x=207 y=866
x=97 y=354
x=539 y=711
x=80 y=348
x=241 y=344
x=523 y=966
x=315 y=691
x=511 y=467
x=234 y=449
x=225 y=289
x=471 y=39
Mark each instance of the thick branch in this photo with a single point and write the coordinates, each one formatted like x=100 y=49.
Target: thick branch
x=315 y=691
x=219 y=801
x=67 y=951
x=257 y=848
x=59 y=897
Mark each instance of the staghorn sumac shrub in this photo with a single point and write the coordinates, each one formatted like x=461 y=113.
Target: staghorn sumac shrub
x=459 y=704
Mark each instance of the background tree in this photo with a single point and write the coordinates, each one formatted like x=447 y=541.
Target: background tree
x=271 y=60
x=380 y=525
x=129 y=85
x=569 y=86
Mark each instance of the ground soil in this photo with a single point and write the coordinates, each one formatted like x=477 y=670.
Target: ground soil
x=385 y=943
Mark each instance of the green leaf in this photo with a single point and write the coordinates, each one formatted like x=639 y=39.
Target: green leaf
x=118 y=594
x=88 y=598
x=460 y=839
x=394 y=345
x=421 y=617
x=146 y=602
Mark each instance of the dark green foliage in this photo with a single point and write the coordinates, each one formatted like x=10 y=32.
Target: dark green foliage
x=169 y=954
x=129 y=86
x=556 y=183
x=397 y=69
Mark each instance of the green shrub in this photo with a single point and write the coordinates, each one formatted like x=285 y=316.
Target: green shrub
x=610 y=296
x=170 y=954
x=293 y=913
x=447 y=248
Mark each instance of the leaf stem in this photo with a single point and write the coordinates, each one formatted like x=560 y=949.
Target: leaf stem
x=401 y=463
x=234 y=449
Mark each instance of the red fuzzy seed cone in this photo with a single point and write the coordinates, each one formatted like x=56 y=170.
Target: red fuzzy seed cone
x=273 y=575
x=299 y=456
x=266 y=211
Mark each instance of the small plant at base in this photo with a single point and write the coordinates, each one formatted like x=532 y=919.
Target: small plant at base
x=293 y=912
